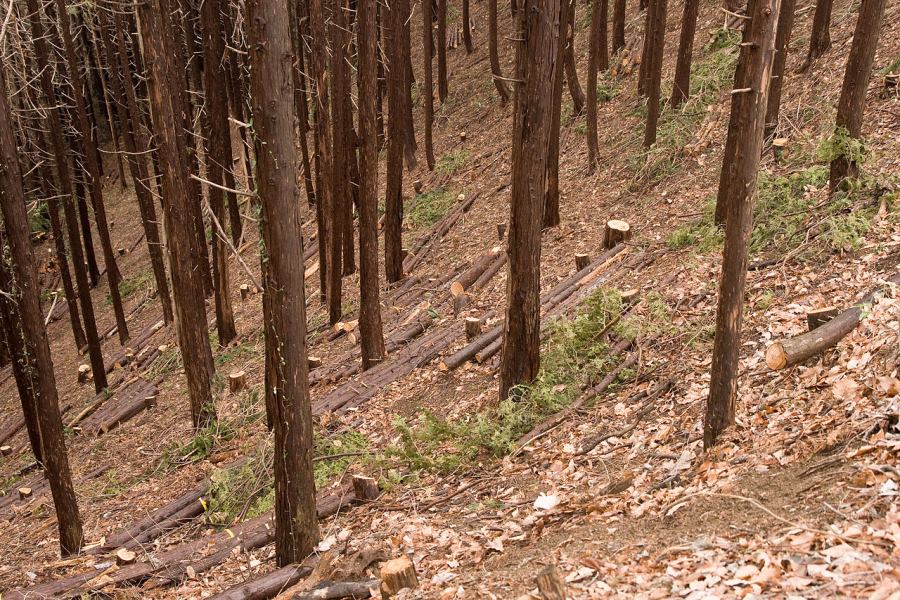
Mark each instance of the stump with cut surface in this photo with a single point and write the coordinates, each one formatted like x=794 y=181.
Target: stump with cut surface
x=365 y=488
x=581 y=261
x=550 y=584
x=501 y=230
x=397 y=574
x=245 y=291
x=124 y=556
x=473 y=328
x=25 y=493
x=818 y=317
x=84 y=373
x=237 y=381
x=616 y=232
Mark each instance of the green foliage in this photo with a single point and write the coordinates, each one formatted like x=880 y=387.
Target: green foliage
x=168 y=361
x=426 y=209
x=241 y=350
x=199 y=447
x=347 y=442
x=702 y=236
x=891 y=67
x=607 y=89
x=723 y=38
x=38 y=217
x=450 y=162
x=144 y=280
x=840 y=144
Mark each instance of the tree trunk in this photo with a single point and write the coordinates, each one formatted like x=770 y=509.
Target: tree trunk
x=603 y=35
x=218 y=158
x=644 y=67
x=55 y=126
x=536 y=60
x=782 y=41
x=754 y=68
x=393 y=204
x=681 y=87
x=443 y=87
x=820 y=37
x=494 y=52
x=193 y=337
x=658 y=40
x=467 y=27
x=428 y=83
x=598 y=21
x=93 y=171
x=137 y=145
x=405 y=47
x=296 y=527
x=84 y=217
x=551 y=216
x=569 y=61
x=36 y=348
x=852 y=102
x=618 y=25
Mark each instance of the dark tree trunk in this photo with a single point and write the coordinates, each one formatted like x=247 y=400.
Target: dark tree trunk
x=536 y=60
x=644 y=68
x=618 y=27
x=551 y=216
x=382 y=82
x=467 y=27
x=752 y=75
x=298 y=12
x=493 y=50
x=137 y=145
x=596 y=46
x=218 y=158
x=569 y=61
x=340 y=162
x=112 y=113
x=603 y=35
x=852 y=103
x=405 y=47
x=370 y=326
x=443 y=86
x=193 y=336
x=36 y=349
x=820 y=37
x=681 y=88
x=782 y=42
x=86 y=236
x=428 y=83
x=658 y=39
x=296 y=524
x=393 y=204
x=93 y=171
x=60 y=155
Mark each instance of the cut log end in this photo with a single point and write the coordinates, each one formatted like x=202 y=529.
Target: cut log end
x=457 y=288
x=365 y=488
x=616 y=232
x=245 y=291
x=25 y=493
x=582 y=261
x=124 y=556
x=84 y=373
x=237 y=381
x=473 y=328
x=397 y=574
x=550 y=584
x=820 y=316
x=776 y=357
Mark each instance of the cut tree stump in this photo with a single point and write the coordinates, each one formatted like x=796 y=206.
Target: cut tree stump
x=237 y=381
x=124 y=556
x=616 y=233
x=6 y=450
x=473 y=328
x=25 y=493
x=820 y=316
x=397 y=574
x=581 y=261
x=314 y=362
x=245 y=291
x=550 y=584
x=365 y=488
x=501 y=230
x=84 y=373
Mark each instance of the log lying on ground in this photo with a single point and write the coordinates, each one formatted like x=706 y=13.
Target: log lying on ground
x=267 y=586
x=330 y=590
x=38 y=487
x=426 y=243
x=124 y=355
x=793 y=351
x=468 y=277
x=136 y=396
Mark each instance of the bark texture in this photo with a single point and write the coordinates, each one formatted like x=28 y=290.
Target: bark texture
x=681 y=87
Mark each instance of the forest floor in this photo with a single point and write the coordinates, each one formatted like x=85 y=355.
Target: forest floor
x=798 y=500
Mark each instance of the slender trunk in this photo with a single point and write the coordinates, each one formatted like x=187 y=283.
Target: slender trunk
x=93 y=171
x=393 y=204
x=218 y=157
x=114 y=122
x=467 y=27
x=405 y=47
x=603 y=35
x=301 y=109
x=428 y=83
x=340 y=161
x=851 y=105
x=496 y=74
x=370 y=326
x=551 y=216
x=536 y=60
x=752 y=74
x=85 y=220
x=569 y=62
x=658 y=39
x=681 y=87
x=137 y=145
x=618 y=25
x=820 y=37
x=443 y=87
x=296 y=525
x=593 y=56
x=193 y=336
x=55 y=126
x=36 y=349
x=644 y=68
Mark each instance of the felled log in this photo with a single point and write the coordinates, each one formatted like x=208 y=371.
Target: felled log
x=126 y=411
x=818 y=317
x=424 y=244
x=489 y=273
x=267 y=586
x=793 y=351
x=328 y=590
x=396 y=575
x=470 y=275
x=616 y=232
x=468 y=352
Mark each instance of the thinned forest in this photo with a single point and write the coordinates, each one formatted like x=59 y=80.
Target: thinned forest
x=449 y=299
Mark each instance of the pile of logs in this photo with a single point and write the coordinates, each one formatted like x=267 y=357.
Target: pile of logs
x=425 y=244
x=105 y=415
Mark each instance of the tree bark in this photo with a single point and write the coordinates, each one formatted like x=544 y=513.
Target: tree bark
x=536 y=60
x=370 y=325
x=851 y=105
x=428 y=83
x=657 y=11
x=754 y=68
x=36 y=348
x=569 y=61
x=443 y=87
x=618 y=27
x=782 y=41
x=551 y=217
x=820 y=37
x=493 y=51
x=93 y=171
x=681 y=87
x=84 y=218
x=296 y=527
x=193 y=337
x=60 y=155
x=595 y=42
x=393 y=204
x=467 y=27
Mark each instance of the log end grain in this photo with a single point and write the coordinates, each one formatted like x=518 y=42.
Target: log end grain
x=237 y=381
x=776 y=357
x=616 y=232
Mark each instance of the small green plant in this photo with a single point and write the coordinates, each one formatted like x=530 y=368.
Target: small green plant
x=702 y=236
x=168 y=361
x=427 y=209
x=241 y=350
x=840 y=144
x=451 y=162
x=891 y=67
x=38 y=217
x=144 y=280
x=607 y=89
x=200 y=446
